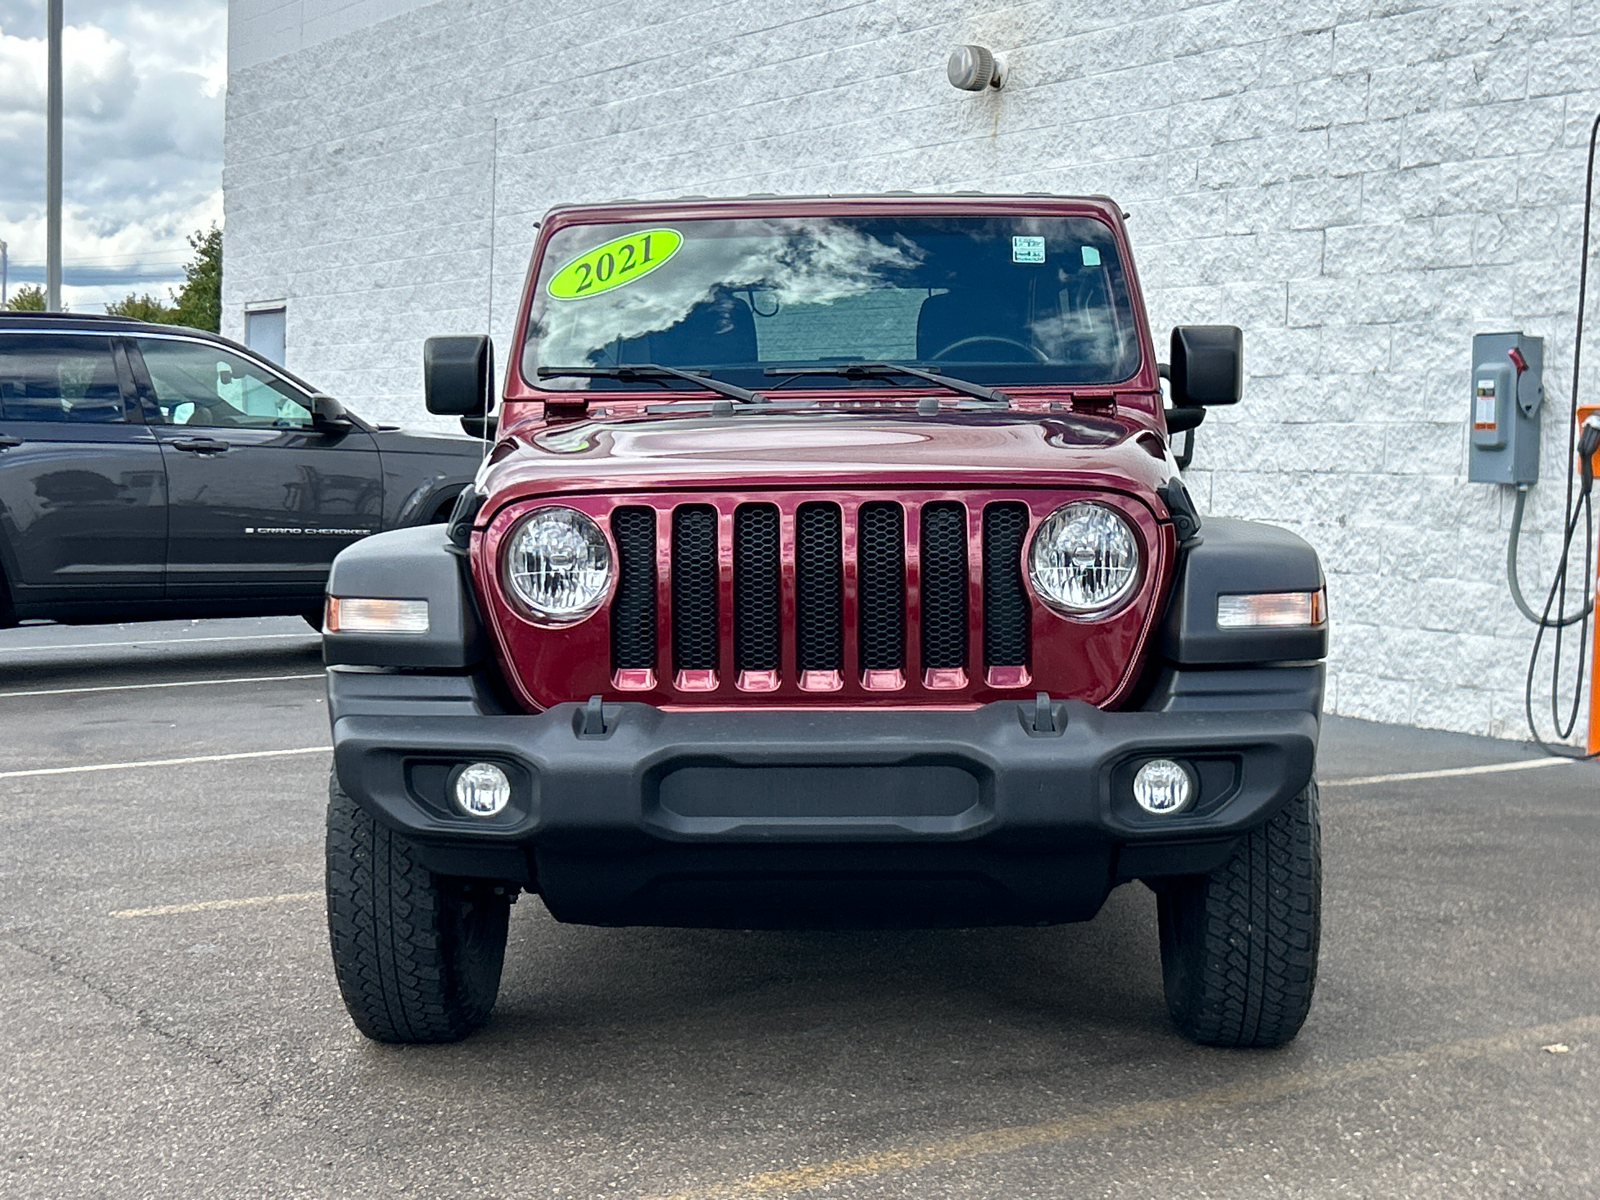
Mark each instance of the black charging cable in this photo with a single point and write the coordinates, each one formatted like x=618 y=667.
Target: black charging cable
x=1580 y=485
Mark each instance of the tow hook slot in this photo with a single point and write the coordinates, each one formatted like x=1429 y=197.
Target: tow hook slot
x=595 y=720
x=1044 y=718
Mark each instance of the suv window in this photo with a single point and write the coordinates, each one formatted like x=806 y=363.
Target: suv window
x=59 y=377
x=198 y=383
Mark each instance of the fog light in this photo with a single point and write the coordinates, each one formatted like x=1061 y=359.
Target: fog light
x=482 y=790
x=1162 y=787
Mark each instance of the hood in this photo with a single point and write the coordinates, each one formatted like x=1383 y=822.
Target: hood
x=819 y=449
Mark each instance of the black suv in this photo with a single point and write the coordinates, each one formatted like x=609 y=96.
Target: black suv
x=156 y=471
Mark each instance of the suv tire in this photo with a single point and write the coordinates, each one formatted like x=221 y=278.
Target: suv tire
x=417 y=957
x=1239 y=946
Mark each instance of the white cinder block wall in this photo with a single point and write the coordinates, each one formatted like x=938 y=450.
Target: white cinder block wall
x=1360 y=186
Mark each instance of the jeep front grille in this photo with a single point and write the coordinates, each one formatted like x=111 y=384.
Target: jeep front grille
x=944 y=586
x=695 y=626
x=633 y=609
x=757 y=625
x=1005 y=602
x=881 y=586
x=814 y=595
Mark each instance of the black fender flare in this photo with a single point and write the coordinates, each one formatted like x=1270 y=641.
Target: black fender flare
x=419 y=563
x=1234 y=557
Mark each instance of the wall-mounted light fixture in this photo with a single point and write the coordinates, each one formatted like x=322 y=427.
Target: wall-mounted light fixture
x=975 y=69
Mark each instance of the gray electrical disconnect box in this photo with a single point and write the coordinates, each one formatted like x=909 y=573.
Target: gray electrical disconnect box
x=1507 y=389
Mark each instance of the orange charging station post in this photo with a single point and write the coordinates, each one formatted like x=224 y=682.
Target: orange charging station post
x=1585 y=411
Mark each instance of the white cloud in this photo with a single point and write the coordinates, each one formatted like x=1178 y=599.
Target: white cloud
x=144 y=84
x=98 y=82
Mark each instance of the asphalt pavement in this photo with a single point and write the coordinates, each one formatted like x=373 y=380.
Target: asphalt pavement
x=169 y=1023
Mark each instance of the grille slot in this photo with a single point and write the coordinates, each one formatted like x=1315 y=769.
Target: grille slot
x=881 y=584
x=633 y=609
x=1006 y=616
x=756 y=619
x=944 y=585
x=694 y=588
x=819 y=588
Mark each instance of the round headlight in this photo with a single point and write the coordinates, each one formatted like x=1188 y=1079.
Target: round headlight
x=557 y=564
x=1084 y=559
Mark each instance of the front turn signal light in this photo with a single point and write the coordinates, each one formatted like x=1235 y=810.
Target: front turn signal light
x=346 y=614
x=1273 y=610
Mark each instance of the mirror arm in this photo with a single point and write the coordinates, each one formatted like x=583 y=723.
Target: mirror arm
x=1184 y=418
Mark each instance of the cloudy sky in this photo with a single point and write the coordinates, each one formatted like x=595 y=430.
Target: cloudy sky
x=142 y=167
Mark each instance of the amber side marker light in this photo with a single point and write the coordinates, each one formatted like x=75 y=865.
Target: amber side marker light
x=1273 y=610
x=346 y=614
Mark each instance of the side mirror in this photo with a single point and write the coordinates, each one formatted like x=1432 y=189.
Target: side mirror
x=481 y=427
x=1207 y=365
x=326 y=412
x=458 y=375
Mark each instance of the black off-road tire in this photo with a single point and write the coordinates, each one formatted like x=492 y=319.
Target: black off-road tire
x=1239 y=946
x=417 y=958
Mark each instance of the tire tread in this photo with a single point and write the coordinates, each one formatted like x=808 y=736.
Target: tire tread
x=1239 y=946
x=404 y=975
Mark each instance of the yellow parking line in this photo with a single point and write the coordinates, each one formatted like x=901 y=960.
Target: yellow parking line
x=167 y=910
x=1126 y=1116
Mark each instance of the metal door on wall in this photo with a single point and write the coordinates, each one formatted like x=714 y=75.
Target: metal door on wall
x=261 y=496
x=82 y=486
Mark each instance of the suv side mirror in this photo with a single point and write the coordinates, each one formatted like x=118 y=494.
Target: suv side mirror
x=458 y=375
x=328 y=413
x=1207 y=365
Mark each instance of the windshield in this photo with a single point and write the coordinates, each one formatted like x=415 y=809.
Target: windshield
x=1020 y=299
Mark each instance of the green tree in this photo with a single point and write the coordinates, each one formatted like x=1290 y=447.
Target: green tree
x=28 y=298
x=142 y=308
x=198 y=303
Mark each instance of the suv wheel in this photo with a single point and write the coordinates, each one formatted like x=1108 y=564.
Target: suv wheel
x=1239 y=946
x=417 y=958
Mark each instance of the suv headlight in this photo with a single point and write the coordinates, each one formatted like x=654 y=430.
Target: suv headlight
x=557 y=565
x=1084 y=559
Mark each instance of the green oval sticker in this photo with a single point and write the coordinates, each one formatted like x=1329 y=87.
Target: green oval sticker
x=619 y=261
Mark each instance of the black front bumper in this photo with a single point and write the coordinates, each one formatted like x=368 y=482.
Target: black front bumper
x=637 y=815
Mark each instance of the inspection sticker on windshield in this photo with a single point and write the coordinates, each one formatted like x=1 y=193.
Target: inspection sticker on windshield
x=1027 y=249
x=619 y=261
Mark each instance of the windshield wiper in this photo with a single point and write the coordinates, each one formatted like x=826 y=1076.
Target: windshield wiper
x=656 y=372
x=883 y=370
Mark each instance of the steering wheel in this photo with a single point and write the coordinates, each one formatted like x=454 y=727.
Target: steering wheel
x=1038 y=355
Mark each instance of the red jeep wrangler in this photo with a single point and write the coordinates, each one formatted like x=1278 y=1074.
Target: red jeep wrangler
x=831 y=568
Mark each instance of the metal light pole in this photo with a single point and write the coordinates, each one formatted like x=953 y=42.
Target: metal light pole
x=52 y=165
x=5 y=271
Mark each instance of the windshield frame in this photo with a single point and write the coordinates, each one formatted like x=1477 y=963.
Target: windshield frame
x=1142 y=379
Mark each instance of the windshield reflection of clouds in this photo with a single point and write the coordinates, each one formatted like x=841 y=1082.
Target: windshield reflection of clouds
x=786 y=263
x=964 y=293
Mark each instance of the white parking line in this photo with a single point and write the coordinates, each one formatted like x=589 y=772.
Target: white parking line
x=1530 y=764
x=167 y=910
x=139 y=687
x=180 y=641
x=163 y=762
